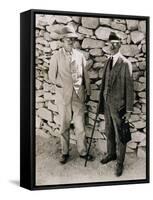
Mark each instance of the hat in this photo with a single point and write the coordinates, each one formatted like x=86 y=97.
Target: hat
x=113 y=36
x=67 y=31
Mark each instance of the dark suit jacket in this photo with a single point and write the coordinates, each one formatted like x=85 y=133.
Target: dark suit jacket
x=121 y=94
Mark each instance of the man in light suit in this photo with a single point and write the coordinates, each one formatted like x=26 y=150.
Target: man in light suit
x=68 y=73
x=116 y=101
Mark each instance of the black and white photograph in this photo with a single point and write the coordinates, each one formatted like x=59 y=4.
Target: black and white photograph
x=91 y=106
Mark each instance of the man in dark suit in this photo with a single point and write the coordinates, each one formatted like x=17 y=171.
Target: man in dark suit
x=116 y=101
x=68 y=74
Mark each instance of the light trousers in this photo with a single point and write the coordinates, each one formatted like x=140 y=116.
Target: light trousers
x=73 y=111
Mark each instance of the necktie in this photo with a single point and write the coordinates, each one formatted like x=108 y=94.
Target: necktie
x=111 y=63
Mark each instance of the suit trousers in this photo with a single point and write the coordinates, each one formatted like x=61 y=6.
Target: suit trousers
x=73 y=111
x=112 y=126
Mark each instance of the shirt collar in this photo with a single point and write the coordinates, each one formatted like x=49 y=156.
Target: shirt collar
x=68 y=53
x=117 y=55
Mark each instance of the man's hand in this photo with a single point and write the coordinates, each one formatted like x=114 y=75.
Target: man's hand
x=127 y=116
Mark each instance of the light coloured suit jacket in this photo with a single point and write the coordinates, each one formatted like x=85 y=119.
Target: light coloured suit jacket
x=60 y=75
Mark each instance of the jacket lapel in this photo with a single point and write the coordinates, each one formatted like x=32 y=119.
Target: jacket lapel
x=115 y=71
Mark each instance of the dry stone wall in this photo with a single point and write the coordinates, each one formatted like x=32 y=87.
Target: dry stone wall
x=92 y=41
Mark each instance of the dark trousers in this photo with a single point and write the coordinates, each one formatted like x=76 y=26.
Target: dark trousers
x=112 y=125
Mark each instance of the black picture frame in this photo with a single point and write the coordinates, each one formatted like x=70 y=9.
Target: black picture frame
x=27 y=99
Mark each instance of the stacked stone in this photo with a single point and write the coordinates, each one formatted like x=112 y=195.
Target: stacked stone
x=92 y=41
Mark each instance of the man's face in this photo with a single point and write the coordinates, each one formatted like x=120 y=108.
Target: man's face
x=115 y=46
x=68 y=44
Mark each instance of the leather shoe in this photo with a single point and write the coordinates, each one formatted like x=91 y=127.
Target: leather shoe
x=64 y=158
x=119 y=169
x=108 y=158
x=88 y=157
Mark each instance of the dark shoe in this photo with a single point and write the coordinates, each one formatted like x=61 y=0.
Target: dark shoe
x=64 y=158
x=88 y=158
x=119 y=169
x=108 y=158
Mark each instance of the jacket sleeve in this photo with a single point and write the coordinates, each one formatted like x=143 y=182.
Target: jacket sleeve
x=86 y=76
x=129 y=88
x=52 y=74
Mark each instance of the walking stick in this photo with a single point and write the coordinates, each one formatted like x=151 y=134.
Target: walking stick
x=92 y=133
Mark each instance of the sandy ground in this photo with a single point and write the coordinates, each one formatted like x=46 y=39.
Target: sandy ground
x=49 y=171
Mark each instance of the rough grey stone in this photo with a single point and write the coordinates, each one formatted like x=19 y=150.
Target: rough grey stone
x=38 y=84
x=76 y=19
x=93 y=87
x=89 y=64
x=52 y=107
x=142 y=26
x=56 y=118
x=103 y=33
x=136 y=110
x=95 y=95
x=129 y=50
x=142 y=65
x=88 y=131
x=44 y=113
x=91 y=43
x=132 y=145
x=142 y=94
x=139 y=124
x=47 y=36
x=38 y=122
x=90 y=22
x=143 y=108
x=98 y=65
x=92 y=115
x=134 y=118
x=41 y=21
x=47 y=128
x=139 y=86
x=141 y=152
x=39 y=93
x=42 y=133
x=105 y=21
x=138 y=136
x=41 y=40
x=39 y=105
x=55 y=36
x=142 y=143
x=95 y=52
x=85 y=31
x=129 y=150
x=137 y=36
x=93 y=74
x=144 y=48
x=121 y=35
x=46 y=87
x=54 y=28
x=132 y=24
x=92 y=106
x=118 y=26
x=62 y=19
x=49 y=96
x=85 y=53
x=107 y=49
